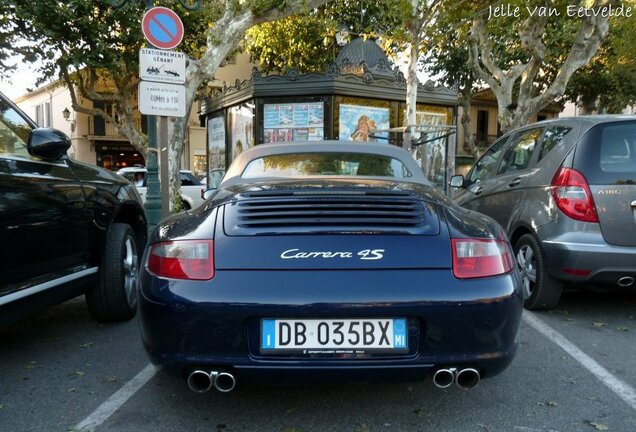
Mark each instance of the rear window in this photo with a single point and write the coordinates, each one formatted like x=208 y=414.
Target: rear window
x=326 y=164
x=607 y=154
x=188 y=179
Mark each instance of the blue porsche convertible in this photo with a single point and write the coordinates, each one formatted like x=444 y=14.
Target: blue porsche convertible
x=329 y=261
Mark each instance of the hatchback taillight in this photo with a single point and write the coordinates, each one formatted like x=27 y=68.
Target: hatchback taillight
x=183 y=259
x=476 y=258
x=572 y=195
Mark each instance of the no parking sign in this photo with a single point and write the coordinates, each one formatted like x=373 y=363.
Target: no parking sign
x=162 y=28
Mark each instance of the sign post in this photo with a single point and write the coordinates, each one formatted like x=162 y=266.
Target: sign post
x=162 y=29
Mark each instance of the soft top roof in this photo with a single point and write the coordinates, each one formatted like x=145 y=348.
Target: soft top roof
x=233 y=175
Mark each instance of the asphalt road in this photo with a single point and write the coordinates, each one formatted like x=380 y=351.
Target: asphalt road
x=61 y=368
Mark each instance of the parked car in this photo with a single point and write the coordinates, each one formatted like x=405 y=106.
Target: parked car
x=191 y=188
x=66 y=228
x=215 y=178
x=329 y=260
x=565 y=192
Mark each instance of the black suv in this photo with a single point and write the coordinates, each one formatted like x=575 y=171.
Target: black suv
x=66 y=228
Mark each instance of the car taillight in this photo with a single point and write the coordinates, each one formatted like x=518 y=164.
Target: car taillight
x=183 y=259
x=475 y=258
x=572 y=195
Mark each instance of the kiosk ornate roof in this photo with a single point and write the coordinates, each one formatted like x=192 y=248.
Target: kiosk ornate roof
x=362 y=69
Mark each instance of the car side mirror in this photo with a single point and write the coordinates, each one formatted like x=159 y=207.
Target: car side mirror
x=208 y=193
x=48 y=144
x=456 y=181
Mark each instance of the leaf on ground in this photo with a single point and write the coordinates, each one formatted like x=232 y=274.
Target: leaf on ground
x=622 y=328
x=86 y=345
x=362 y=428
x=569 y=319
x=598 y=426
x=560 y=311
x=599 y=324
x=112 y=379
x=551 y=403
x=79 y=373
x=1 y=407
x=72 y=390
x=32 y=365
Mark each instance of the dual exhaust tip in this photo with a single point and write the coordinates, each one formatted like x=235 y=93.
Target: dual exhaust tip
x=201 y=381
x=466 y=378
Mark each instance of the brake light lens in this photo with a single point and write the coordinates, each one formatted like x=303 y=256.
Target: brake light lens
x=573 y=196
x=477 y=258
x=184 y=259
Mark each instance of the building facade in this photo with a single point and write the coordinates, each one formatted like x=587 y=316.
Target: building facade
x=97 y=142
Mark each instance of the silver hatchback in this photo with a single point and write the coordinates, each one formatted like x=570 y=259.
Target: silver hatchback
x=565 y=191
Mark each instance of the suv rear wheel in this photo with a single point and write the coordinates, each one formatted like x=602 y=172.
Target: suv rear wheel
x=115 y=296
x=540 y=290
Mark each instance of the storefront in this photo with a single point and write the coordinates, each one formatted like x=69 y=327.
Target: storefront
x=116 y=155
x=359 y=98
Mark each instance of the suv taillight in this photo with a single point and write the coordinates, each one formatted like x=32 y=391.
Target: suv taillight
x=572 y=195
x=476 y=258
x=183 y=259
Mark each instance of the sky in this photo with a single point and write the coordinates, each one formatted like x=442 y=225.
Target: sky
x=16 y=84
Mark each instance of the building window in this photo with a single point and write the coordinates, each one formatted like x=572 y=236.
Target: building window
x=482 y=127
x=43 y=114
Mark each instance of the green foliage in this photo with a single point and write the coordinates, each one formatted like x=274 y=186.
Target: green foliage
x=307 y=42
x=608 y=82
x=295 y=42
x=446 y=53
x=90 y=35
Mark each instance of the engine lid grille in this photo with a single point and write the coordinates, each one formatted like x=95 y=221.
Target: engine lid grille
x=330 y=211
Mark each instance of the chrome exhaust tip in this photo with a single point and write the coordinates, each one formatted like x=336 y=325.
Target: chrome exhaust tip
x=626 y=281
x=224 y=382
x=444 y=378
x=468 y=378
x=200 y=381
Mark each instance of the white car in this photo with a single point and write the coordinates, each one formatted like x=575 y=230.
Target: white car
x=191 y=188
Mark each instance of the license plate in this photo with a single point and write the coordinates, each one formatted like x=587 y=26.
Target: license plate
x=334 y=334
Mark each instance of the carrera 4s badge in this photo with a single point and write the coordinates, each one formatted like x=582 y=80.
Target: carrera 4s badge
x=366 y=254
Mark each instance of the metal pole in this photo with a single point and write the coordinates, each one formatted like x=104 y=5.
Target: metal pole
x=153 y=195
x=164 y=171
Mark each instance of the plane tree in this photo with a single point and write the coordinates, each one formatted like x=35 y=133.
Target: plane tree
x=92 y=48
x=529 y=67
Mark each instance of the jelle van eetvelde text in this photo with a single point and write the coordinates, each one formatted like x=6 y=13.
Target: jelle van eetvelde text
x=506 y=10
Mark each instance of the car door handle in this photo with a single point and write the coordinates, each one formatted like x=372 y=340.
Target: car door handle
x=515 y=182
x=478 y=190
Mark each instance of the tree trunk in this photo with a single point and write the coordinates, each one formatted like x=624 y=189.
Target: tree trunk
x=469 y=139
x=516 y=109
x=411 y=93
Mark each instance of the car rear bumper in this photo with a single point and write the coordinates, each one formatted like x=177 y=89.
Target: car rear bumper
x=215 y=324
x=584 y=256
